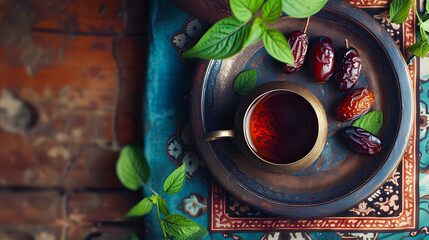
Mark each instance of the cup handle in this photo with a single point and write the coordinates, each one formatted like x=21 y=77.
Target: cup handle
x=215 y=135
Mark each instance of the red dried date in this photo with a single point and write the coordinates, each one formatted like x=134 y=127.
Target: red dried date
x=348 y=69
x=298 y=43
x=355 y=105
x=322 y=60
x=360 y=141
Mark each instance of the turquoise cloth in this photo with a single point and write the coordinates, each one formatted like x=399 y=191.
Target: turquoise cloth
x=166 y=104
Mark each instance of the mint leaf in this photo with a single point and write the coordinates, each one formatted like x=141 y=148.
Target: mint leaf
x=425 y=16
x=399 y=10
x=371 y=121
x=420 y=48
x=425 y=25
x=141 y=208
x=427 y=6
x=174 y=183
x=302 y=8
x=243 y=9
x=271 y=10
x=154 y=199
x=256 y=31
x=223 y=40
x=245 y=82
x=423 y=35
x=133 y=236
x=132 y=168
x=418 y=36
x=181 y=228
x=163 y=208
x=277 y=46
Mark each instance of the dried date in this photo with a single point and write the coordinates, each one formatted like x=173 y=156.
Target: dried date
x=355 y=104
x=298 y=43
x=360 y=141
x=322 y=60
x=348 y=69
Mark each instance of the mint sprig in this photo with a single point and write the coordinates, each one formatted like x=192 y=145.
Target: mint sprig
x=133 y=172
x=399 y=10
x=228 y=36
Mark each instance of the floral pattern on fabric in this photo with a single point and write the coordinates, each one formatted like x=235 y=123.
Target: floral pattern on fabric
x=192 y=31
x=194 y=205
x=180 y=149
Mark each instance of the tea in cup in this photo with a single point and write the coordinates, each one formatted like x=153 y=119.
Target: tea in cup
x=281 y=126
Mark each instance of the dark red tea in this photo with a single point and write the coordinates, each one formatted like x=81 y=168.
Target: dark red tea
x=282 y=127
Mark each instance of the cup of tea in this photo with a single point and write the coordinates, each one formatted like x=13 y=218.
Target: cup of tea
x=280 y=126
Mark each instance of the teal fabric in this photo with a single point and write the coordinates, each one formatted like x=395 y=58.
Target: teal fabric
x=167 y=83
x=166 y=103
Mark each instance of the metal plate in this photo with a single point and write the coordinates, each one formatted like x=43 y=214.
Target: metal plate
x=338 y=179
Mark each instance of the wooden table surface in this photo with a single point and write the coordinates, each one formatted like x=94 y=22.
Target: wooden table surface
x=71 y=78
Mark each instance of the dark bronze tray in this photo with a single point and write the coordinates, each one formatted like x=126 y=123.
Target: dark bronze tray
x=338 y=179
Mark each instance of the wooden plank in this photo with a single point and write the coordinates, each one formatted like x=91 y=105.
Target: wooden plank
x=97 y=17
x=13 y=232
x=83 y=116
x=102 y=207
x=94 y=16
x=130 y=55
x=30 y=208
x=114 y=232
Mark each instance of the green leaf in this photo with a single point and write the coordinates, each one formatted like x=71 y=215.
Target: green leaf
x=141 y=208
x=182 y=228
x=133 y=236
x=425 y=25
x=277 y=46
x=154 y=199
x=399 y=10
x=243 y=9
x=418 y=36
x=256 y=31
x=245 y=82
x=425 y=17
x=223 y=40
x=420 y=48
x=371 y=121
x=132 y=168
x=302 y=8
x=174 y=183
x=163 y=208
x=427 y=6
x=271 y=10
x=423 y=35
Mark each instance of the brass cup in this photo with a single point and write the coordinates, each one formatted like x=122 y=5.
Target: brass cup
x=239 y=128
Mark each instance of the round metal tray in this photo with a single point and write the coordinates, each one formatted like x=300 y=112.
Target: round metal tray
x=338 y=179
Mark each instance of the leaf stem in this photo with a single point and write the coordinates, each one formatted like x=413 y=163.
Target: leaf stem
x=160 y=222
x=151 y=189
x=417 y=12
x=306 y=25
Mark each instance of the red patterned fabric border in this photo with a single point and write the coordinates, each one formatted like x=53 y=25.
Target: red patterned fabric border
x=369 y=3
